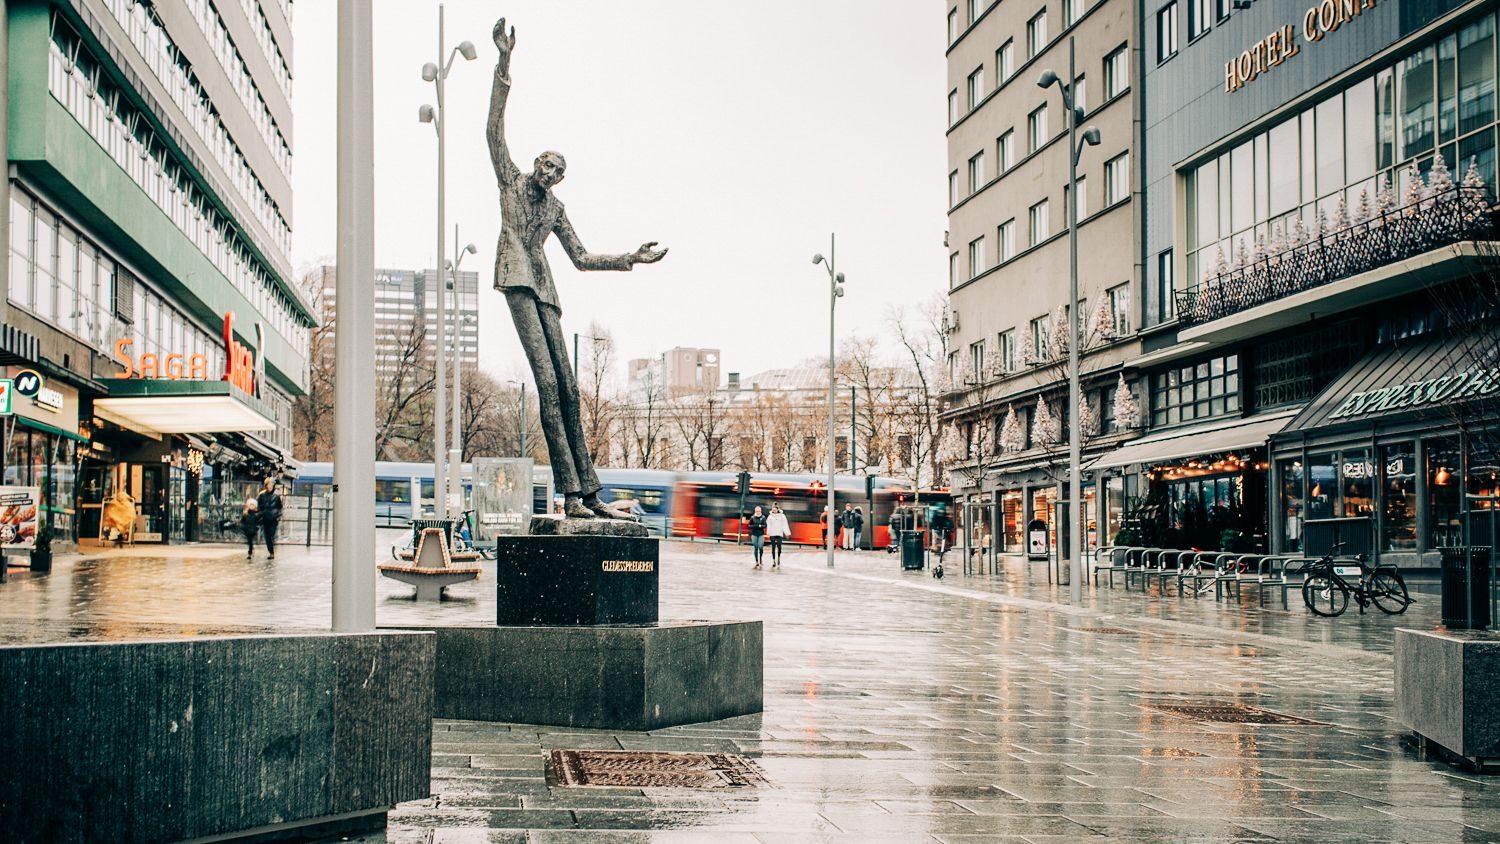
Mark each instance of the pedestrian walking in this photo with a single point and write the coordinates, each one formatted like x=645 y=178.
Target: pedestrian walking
x=778 y=530
x=269 y=504
x=249 y=523
x=846 y=523
x=756 y=525
x=823 y=526
x=859 y=525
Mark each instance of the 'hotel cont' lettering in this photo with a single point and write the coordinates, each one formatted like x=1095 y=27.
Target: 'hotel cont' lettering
x=1463 y=385
x=629 y=565
x=1320 y=20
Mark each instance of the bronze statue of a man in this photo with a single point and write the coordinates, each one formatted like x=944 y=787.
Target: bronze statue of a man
x=529 y=213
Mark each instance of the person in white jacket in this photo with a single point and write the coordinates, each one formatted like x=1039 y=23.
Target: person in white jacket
x=777 y=529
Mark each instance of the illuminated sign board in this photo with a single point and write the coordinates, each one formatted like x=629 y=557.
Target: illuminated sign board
x=242 y=367
x=1464 y=385
x=1318 y=22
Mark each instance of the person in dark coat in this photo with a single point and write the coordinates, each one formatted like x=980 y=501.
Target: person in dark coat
x=858 y=523
x=757 y=527
x=249 y=522
x=269 y=504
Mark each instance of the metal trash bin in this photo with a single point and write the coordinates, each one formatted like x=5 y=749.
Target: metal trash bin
x=913 y=557
x=1466 y=575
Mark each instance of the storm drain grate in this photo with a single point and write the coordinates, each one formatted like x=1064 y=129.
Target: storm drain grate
x=1228 y=713
x=644 y=769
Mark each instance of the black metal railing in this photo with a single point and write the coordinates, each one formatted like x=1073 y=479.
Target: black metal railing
x=1446 y=217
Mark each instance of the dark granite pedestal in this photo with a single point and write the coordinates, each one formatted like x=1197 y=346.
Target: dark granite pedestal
x=1448 y=690
x=576 y=579
x=214 y=737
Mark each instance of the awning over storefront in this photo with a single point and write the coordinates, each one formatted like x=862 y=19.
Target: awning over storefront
x=1428 y=377
x=1209 y=438
x=181 y=407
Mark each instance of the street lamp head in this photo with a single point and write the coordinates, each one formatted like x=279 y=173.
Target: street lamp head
x=838 y=292
x=429 y=72
x=466 y=49
x=818 y=258
x=426 y=114
x=1047 y=79
x=839 y=278
x=1091 y=136
x=471 y=250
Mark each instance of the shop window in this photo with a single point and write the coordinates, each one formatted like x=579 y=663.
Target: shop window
x=1291 y=477
x=1398 y=497
x=1011 y=505
x=1323 y=486
x=1358 y=491
x=1484 y=475
x=1444 y=525
x=1203 y=390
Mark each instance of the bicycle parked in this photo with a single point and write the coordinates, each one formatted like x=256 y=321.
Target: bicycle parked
x=1327 y=586
x=463 y=542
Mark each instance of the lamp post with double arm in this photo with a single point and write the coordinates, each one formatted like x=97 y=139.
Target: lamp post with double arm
x=835 y=290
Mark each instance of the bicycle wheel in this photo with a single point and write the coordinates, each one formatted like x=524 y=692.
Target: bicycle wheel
x=1389 y=592
x=1324 y=595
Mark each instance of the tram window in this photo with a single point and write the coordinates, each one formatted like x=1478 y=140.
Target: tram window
x=650 y=499
x=396 y=492
x=426 y=488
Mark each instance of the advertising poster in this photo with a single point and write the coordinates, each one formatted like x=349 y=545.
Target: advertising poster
x=502 y=496
x=20 y=514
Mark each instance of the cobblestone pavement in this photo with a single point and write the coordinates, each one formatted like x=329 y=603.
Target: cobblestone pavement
x=898 y=708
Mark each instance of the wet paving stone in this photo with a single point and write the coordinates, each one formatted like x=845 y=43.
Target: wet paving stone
x=897 y=708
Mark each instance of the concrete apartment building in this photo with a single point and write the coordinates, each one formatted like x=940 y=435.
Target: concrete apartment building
x=1009 y=255
x=148 y=284
x=678 y=370
x=402 y=297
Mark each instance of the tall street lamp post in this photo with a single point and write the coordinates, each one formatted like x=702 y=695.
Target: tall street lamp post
x=455 y=448
x=1075 y=441
x=438 y=75
x=835 y=290
x=576 y=336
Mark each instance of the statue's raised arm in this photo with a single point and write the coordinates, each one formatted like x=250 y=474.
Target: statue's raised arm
x=505 y=42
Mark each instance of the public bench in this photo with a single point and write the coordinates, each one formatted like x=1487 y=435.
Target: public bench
x=431 y=569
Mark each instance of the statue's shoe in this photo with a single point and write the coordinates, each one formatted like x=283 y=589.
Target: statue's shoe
x=573 y=508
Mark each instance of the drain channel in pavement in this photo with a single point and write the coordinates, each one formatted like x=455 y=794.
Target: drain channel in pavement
x=642 y=769
x=1227 y=713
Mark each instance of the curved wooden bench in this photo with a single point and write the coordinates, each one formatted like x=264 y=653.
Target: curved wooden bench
x=431 y=571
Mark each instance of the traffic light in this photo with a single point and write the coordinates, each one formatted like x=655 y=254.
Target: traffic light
x=870 y=491
x=744 y=487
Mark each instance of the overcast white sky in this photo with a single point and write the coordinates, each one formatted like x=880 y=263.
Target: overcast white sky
x=738 y=135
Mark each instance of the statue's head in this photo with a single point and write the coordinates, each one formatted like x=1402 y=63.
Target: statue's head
x=549 y=169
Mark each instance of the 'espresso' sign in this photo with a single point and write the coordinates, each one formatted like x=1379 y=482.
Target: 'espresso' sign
x=1320 y=20
x=1464 y=385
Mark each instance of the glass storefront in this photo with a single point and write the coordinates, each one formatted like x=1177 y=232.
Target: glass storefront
x=1012 y=503
x=1398 y=489
x=45 y=460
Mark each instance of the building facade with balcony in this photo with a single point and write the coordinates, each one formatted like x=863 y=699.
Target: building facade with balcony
x=1319 y=276
x=149 y=224
x=1009 y=257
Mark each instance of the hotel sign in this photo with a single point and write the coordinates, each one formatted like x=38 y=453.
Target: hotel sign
x=1318 y=22
x=1464 y=385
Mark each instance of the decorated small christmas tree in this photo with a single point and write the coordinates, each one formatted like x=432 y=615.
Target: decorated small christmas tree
x=1416 y=190
x=1241 y=255
x=1058 y=329
x=1472 y=194
x=1299 y=234
x=1101 y=322
x=1221 y=266
x=1088 y=418
x=1027 y=354
x=1341 y=217
x=1362 y=209
x=950 y=446
x=1439 y=180
x=1127 y=410
x=1385 y=197
x=1012 y=435
x=1320 y=225
x=1045 y=429
x=1259 y=255
x=1278 y=241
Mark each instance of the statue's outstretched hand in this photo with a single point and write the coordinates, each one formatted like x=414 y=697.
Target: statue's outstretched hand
x=504 y=42
x=647 y=255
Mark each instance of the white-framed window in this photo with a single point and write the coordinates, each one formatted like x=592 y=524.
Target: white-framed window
x=1117 y=178
x=976 y=359
x=1221 y=9
x=953 y=107
x=976 y=172
x=1040 y=336
x=1005 y=240
x=977 y=257
x=1036 y=128
x=1081 y=92
x=953 y=189
x=1116 y=72
x=1005 y=150
x=953 y=270
x=1200 y=17
x=1166 y=287
x=952 y=25
x=976 y=87
x=1119 y=308
x=1007 y=350
x=1005 y=60
x=1072 y=11
x=1036 y=33
x=1082 y=209
x=1041 y=225
x=1166 y=32
x=973 y=11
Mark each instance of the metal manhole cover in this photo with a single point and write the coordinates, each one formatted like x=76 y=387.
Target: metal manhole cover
x=1107 y=631
x=644 y=769
x=1228 y=713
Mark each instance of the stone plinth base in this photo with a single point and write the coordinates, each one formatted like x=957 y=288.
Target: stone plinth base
x=576 y=579
x=1448 y=689
x=185 y=739
x=558 y=526
x=624 y=678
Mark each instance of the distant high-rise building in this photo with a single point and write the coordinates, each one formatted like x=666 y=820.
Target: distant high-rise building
x=405 y=302
x=679 y=370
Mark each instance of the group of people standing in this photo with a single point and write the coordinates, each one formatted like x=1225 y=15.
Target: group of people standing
x=850 y=525
x=763 y=526
x=263 y=512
